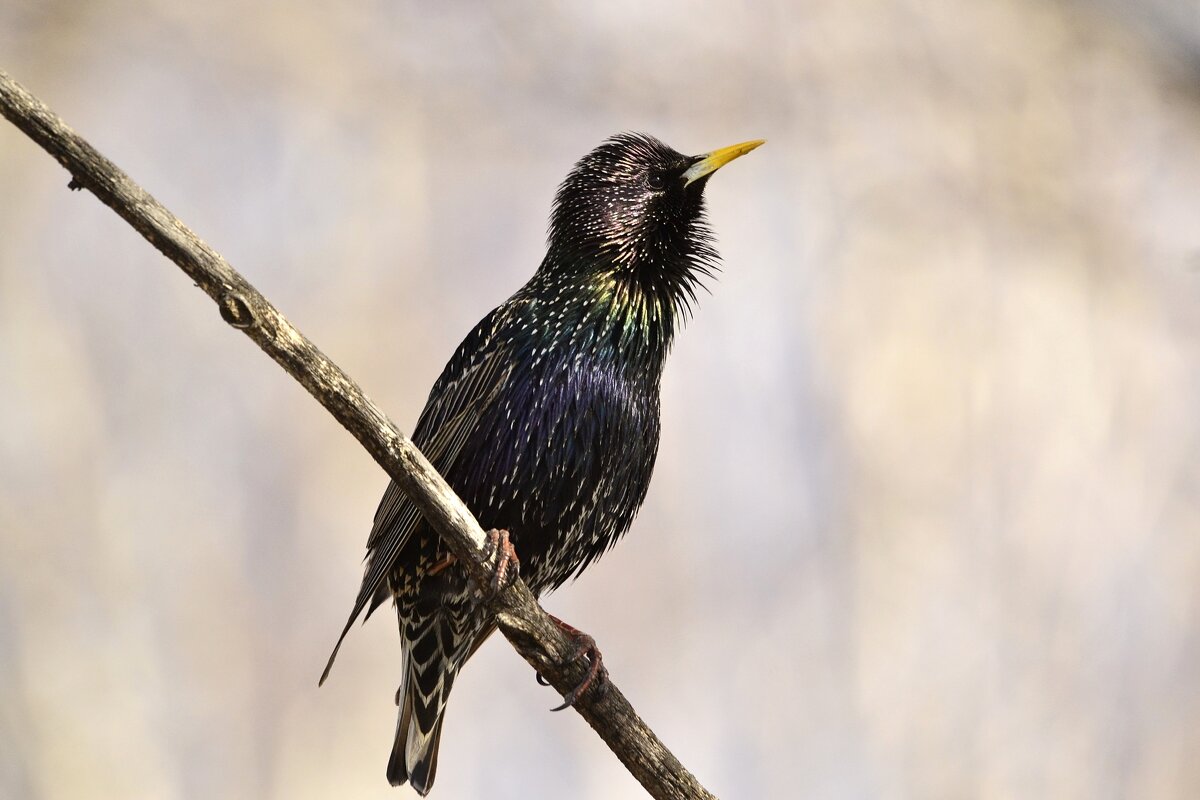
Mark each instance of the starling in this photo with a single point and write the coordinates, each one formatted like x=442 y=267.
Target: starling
x=546 y=419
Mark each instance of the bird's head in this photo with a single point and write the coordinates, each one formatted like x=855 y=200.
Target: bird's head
x=633 y=209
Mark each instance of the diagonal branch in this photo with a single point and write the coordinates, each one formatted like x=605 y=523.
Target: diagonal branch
x=522 y=621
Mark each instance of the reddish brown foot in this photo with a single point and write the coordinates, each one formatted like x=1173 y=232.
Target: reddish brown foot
x=507 y=565
x=585 y=647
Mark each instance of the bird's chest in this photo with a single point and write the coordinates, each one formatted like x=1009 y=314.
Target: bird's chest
x=571 y=421
x=565 y=461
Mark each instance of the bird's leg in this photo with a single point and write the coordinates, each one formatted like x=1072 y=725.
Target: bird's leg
x=507 y=565
x=585 y=647
x=446 y=561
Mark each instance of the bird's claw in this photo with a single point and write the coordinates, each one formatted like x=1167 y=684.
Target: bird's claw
x=585 y=647
x=508 y=567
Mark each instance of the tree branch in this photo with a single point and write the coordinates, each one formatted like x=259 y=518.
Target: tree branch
x=522 y=621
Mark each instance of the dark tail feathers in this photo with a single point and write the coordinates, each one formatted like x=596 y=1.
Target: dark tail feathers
x=415 y=751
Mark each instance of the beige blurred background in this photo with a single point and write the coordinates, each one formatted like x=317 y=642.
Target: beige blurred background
x=926 y=519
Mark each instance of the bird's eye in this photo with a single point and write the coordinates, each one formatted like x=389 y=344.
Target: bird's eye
x=656 y=180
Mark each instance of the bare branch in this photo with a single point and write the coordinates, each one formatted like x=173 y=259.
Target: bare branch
x=518 y=615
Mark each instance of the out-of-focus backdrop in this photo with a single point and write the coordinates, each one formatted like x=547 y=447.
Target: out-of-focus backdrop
x=926 y=519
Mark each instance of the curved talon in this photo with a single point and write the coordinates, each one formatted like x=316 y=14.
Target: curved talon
x=541 y=681
x=585 y=647
x=508 y=567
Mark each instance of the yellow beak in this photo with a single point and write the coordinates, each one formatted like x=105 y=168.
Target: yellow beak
x=711 y=162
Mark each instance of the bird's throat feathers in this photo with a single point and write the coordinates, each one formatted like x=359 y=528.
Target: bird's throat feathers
x=635 y=315
x=625 y=310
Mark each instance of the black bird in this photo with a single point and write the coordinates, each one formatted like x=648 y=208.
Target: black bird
x=546 y=419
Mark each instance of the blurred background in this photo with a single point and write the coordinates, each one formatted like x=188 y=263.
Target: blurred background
x=926 y=518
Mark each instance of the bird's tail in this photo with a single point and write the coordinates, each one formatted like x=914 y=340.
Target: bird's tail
x=433 y=654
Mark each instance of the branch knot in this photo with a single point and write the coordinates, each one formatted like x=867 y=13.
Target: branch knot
x=235 y=310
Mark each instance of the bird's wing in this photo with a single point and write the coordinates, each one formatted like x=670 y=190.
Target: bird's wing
x=468 y=386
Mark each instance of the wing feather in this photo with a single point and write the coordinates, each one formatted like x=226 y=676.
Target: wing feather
x=467 y=388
